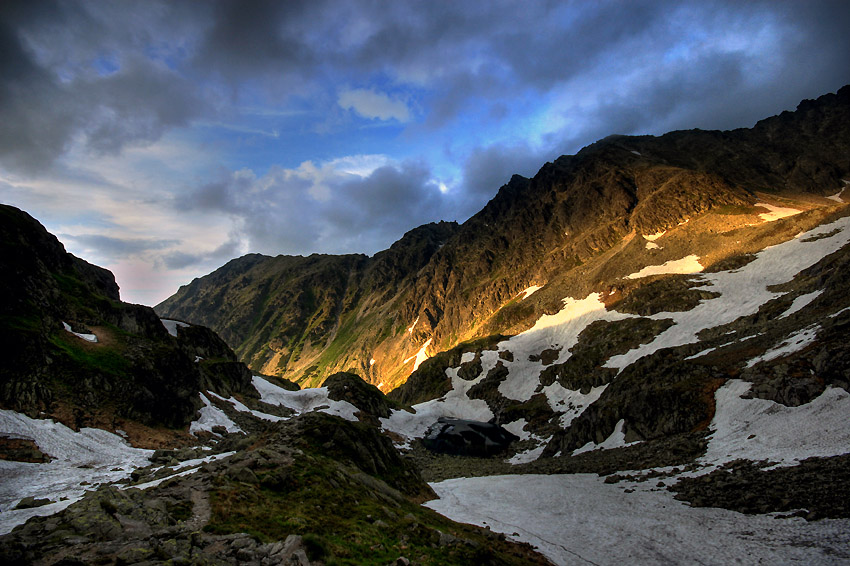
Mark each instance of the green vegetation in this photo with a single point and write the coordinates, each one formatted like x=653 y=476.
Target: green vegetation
x=98 y=358
x=348 y=517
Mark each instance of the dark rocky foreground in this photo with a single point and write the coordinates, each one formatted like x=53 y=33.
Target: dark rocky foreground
x=817 y=488
x=312 y=490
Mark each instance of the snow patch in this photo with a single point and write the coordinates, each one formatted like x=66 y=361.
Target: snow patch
x=837 y=196
x=653 y=237
x=526 y=293
x=794 y=343
x=758 y=429
x=104 y=457
x=305 y=400
x=410 y=328
x=87 y=337
x=556 y=330
x=776 y=212
x=211 y=416
x=653 y=246
x=571 y=403
x=171 y=325
x=686 y=265
x=467 y=357
x=616 y=440
x=420 y=356
x=801 y=302
x=527 y=456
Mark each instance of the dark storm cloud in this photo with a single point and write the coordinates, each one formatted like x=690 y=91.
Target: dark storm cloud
x=100 y=76
x=324 y=210
x=53 y=87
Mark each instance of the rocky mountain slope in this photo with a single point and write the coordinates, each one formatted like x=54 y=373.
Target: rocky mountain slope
x=576 y=227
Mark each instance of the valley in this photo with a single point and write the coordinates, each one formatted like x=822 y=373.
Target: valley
x=657 y=326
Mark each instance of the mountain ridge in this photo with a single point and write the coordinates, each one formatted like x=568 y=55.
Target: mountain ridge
x=543 y=230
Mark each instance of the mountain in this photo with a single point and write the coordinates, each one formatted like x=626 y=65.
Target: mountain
x=637 y=356
x=574 y=228
x=75 y=352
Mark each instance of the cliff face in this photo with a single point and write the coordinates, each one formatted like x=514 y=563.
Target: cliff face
x=76 y=352
x=569 y=230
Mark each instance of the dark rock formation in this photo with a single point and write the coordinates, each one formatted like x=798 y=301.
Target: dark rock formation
x=467 y=438
x=135 y=370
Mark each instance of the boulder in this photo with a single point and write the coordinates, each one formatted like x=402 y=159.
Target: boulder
x=467 y=438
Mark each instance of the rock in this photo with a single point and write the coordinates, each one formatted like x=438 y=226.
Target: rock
x=469 y=438
x=31 y=502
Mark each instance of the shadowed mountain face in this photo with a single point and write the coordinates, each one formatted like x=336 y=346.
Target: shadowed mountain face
x=76 y=352
x=572 y=229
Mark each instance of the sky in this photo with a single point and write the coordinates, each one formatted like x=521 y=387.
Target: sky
x=162 y=139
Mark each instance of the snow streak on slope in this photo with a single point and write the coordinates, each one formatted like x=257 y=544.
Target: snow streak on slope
x=686 y=265
x=87 y=337
x=801 y=302
x=794 y=343
x=743 y=291
x=82 y=460
x=243 y=409
x=579 y=519
x=526 y=293
x=759 y=429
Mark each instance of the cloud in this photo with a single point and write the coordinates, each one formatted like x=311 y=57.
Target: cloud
x=110 y=247
x=371 y=104
x=355 y=204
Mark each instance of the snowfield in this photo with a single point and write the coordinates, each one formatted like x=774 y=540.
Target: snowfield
x=82 y=460
x=579 y=519
x=758 y=429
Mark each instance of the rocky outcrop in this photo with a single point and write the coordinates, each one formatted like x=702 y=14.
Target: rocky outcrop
x=349 y=387
x=467 y=438
x=135 y=370
x=312 y=490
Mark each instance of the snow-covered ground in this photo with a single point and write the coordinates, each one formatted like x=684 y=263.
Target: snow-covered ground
x=82 y=460
x=212 y=416
x=579 y=519
x=743 y=291
x=759 y=429
x=305 y=400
